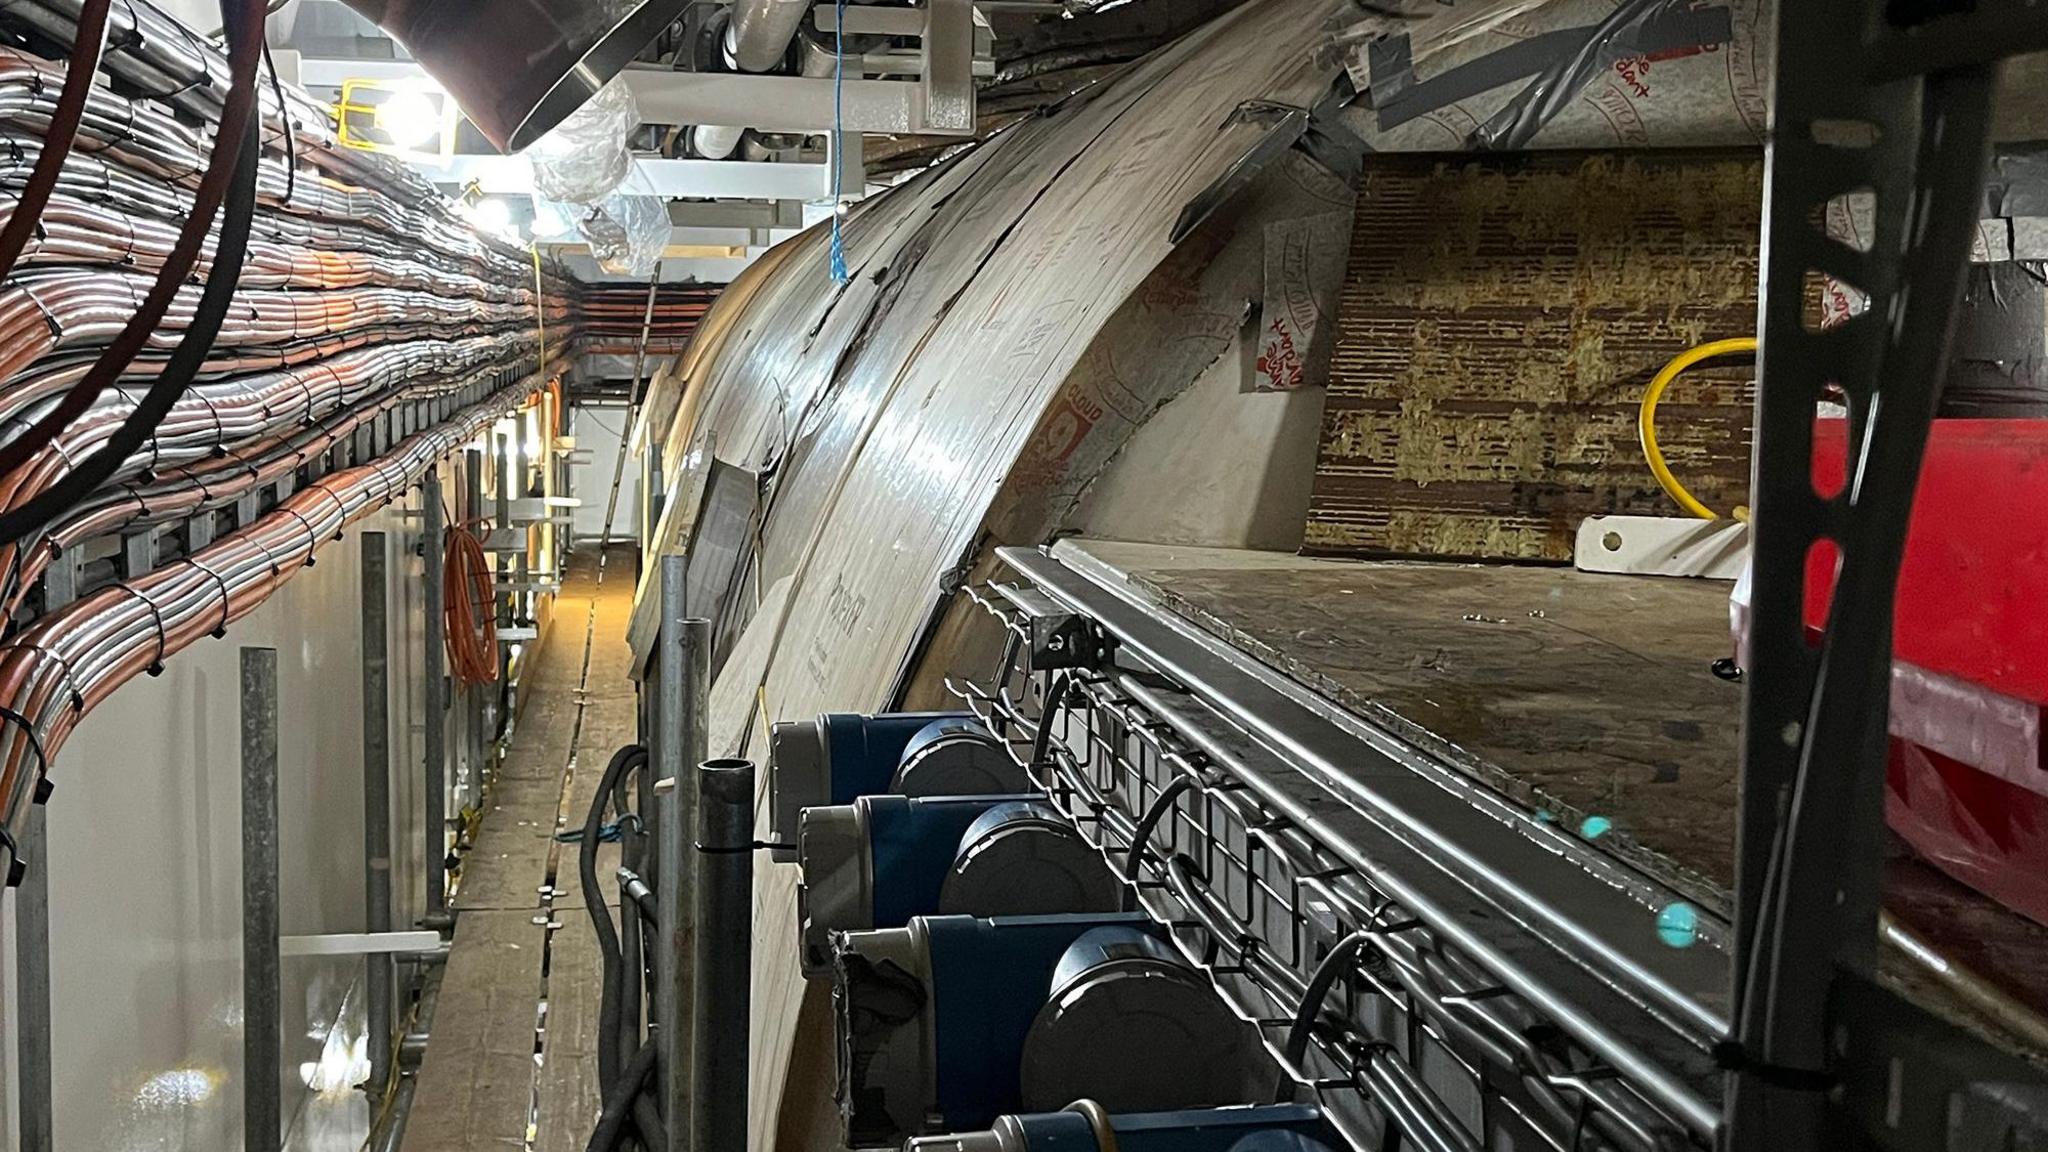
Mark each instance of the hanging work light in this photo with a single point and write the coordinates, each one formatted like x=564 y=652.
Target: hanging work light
x=519 y=67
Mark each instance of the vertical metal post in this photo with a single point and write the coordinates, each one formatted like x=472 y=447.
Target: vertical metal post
x=32 y=997
x=724 y=952
x=501 y=517
x=262 y=1026
x=680 y=736
x=633 y=401
x=434 y=818
x=473 y=695
x=378 y=977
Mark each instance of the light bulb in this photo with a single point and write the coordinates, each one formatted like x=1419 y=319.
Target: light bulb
x=493 y=215
x=411 y=118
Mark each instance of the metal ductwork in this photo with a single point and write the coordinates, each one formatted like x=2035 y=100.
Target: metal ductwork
x=518 y=69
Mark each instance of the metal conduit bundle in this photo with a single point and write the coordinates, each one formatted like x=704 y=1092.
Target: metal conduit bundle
x=55 y=672
x=152 y=146
x=141 y=385
x=613 y=316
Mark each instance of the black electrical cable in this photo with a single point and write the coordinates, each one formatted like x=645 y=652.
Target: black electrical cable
x=594 y=904
x=1141 y=835
x=185 y=363
x=632 y=962
x=244 y=53
x=88 y=42
x=620 y=1101
x=1319 y=984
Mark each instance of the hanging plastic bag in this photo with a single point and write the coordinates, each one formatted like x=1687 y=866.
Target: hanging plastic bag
x=586 y=157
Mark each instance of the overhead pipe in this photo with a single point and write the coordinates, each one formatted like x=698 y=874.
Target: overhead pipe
x=716 y=141
x=759 y=35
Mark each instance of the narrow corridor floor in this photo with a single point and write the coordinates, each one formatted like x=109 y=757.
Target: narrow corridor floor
x=512 y=1061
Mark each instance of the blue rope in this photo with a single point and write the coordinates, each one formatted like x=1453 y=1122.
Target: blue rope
x=839 y=274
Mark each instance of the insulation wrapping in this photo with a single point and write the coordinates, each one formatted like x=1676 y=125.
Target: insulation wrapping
x=1013 y=313
x=1491 y=75
x=627 y=233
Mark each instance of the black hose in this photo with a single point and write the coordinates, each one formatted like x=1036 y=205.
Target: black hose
x=1319 y=984
x=1142 y=833
x=632 y=962
x=601 y=916
x=647 y=1118
x=619 y=1102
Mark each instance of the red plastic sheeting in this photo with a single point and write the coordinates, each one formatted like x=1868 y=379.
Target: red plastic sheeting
x=1986 y=832
x=1965 y=782
x=1973 y=591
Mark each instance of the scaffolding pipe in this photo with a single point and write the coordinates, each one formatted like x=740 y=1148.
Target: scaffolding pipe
x=724 y=952
x=434 y=818
x=633 y=401
x=681 y=699
x=472 y=694
x=379 y=977
x=262 y=1018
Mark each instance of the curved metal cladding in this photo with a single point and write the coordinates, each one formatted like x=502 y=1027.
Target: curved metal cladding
x=1012 y=315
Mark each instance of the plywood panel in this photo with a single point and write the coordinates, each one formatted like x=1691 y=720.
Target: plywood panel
x=1501 y=317
x=1582 y=694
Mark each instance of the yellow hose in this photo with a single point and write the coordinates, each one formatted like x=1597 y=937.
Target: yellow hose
x=1646 y=420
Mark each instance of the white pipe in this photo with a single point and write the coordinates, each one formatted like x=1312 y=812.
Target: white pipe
x=761 y=30
x=715 y=141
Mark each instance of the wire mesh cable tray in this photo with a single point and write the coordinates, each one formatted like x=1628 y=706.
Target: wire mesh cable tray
x=1369 y=991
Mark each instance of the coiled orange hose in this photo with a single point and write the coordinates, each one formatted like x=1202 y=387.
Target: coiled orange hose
x=470 y=608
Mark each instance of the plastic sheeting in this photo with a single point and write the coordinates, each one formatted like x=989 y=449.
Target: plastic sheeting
x=585 y=158
x=627 y=233
x=1438 y=75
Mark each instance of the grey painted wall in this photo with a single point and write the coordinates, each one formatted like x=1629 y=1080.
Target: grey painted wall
x=145 y=873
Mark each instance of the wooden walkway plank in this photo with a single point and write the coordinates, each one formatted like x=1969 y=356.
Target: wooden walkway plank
x=486 y=1084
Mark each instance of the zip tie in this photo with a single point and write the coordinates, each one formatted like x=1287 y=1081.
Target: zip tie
x=64 y=666
x=312 y=537
x=17 y=868
x=49 y=318
x=156 y=667
x=226 y=598
x=35 y=746
x=268 y=558
x=340 y=508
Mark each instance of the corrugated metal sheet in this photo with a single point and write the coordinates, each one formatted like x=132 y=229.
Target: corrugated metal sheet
x=1500 y=319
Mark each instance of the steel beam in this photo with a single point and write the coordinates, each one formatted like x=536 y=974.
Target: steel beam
x=786 y=214
x=780 y=103
x=33 y=1085
x=362 y=944
x=434 y=812
x=378 y=982
x=262 y=1018
x=669 y=179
